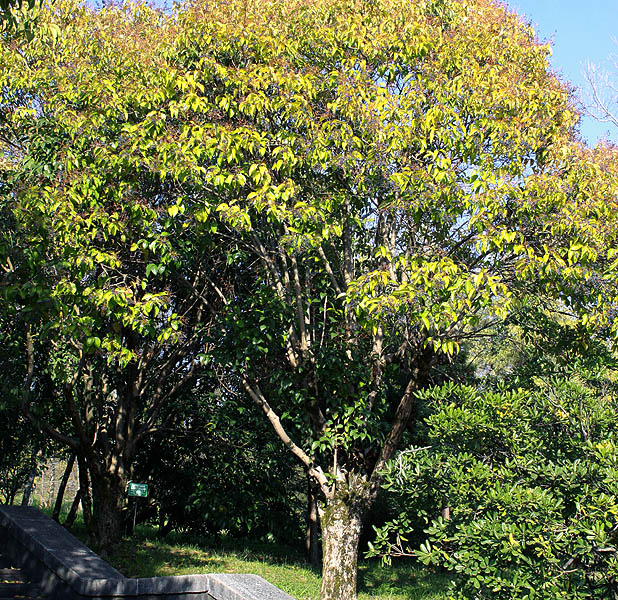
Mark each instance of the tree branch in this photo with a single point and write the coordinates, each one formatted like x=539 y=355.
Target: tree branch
x=316 y=472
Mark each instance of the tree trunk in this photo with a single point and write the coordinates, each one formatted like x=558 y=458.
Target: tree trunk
x=25 y=500
x=84 y=488
x=62 y=488
x=445 y=510
x=51 y=490
x=108 y=498
x=312 y=546
x=73 y=512
x=341 y=519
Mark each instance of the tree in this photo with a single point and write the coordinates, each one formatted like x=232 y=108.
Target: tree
x=522 y=457
x=219 y=468
x=112 y=291
x=23 y=449
x=326 y=196
x=403 y=173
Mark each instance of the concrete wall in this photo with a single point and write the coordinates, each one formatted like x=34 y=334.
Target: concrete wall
x=67 y=569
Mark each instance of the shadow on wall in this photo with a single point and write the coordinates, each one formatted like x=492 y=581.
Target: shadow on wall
x=65 y=568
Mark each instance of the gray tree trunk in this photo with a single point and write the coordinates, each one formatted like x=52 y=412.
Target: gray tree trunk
x=62 y=488
x=341 y=519
x=312 y=542
x=25 y=500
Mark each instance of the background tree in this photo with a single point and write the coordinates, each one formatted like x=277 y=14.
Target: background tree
x=218 y=468
x=113 y=292
x=23 y=448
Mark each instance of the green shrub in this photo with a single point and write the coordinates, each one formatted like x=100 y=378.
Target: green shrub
x=530 y=480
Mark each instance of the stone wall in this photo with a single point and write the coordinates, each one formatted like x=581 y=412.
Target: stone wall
x=67 y=569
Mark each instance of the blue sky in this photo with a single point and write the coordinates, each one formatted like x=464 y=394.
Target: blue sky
x=580 y=32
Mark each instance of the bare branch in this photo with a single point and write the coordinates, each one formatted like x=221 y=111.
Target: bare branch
x=256 y=395
x=329 y=270
x=603 y=94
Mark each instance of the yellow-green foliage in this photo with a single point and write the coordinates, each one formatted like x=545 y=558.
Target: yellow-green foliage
x=441 y=117
x=386 y=177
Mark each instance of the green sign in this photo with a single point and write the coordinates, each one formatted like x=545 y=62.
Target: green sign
x=138 y=489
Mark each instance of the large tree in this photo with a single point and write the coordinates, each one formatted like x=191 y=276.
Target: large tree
x=389 y=178
x=405 y=175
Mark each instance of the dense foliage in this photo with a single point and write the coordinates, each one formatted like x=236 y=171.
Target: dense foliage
x=314 y=203
x=531 y=483
x=526 y=471
x=218 y=471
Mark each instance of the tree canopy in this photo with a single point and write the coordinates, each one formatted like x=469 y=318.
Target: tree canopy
x=320 y=201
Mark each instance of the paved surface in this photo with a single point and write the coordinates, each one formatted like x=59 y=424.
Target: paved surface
x=14 y=583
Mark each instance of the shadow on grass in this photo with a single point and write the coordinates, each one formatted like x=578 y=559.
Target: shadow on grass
x=135 y=558
x=143 y=554
x=403 y=579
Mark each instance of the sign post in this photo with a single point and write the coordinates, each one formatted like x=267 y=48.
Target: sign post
x=137 y=490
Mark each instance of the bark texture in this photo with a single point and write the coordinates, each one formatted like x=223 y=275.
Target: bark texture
x=312 y=545
x=107 y=515
x=341 y=519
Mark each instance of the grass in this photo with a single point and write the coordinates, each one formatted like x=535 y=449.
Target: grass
x=146 y=556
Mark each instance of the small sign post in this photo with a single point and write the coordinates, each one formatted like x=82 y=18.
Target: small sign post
x=137 y=490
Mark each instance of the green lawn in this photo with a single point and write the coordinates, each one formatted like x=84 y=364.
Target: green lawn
x=146 y=556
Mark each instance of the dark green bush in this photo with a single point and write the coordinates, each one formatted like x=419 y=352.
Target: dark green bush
x=530 y=479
